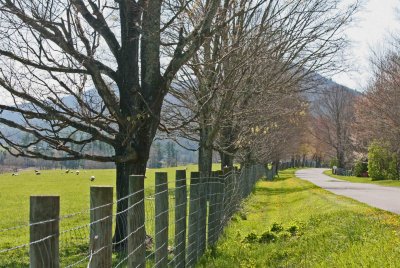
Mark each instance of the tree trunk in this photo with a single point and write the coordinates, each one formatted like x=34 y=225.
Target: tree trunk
x=226 y=160
x=227 y=139
x=124 y=170
x=340 y=158
x=140 y=144
x=205 y=154
x=275 y=167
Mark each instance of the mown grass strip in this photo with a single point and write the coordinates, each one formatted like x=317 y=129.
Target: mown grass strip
x=393 y=183
x=332 y=231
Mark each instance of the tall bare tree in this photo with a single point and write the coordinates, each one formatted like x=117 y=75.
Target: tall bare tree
x=272 y=48
x=333 y=121
x=377 y=111
x=106 y=56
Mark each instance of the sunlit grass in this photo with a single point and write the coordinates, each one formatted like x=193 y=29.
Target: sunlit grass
x=395 y=183
x=334 y=231
x=74 y=196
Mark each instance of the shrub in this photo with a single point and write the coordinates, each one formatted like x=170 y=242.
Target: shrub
x=276 y=227
x=382 y=164
x=268 y=237
x=360 y=168
x=293 y=230
x=251 y=238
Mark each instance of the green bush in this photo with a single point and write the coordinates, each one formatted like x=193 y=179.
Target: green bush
x=293 y=230
x=276 y=227
x=268 y=237
x=382 y=164
x=251 y=238
x=360 y=168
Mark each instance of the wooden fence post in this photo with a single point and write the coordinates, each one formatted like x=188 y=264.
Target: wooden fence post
x=193 y=219
x=101 y=198
x=213 y=213
x=161 y=220
x=136 y=220
x=180 y=219
x=45 y=253
x=220 y=204
x=202 y=220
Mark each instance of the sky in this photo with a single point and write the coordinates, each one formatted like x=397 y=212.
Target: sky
x=373 y=24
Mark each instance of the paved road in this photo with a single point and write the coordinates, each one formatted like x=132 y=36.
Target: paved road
x=386 y=198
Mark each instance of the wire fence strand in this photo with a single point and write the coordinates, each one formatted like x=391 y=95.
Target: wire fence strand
x=171 y=223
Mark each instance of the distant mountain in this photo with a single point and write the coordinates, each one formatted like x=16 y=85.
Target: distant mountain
x=319 y=84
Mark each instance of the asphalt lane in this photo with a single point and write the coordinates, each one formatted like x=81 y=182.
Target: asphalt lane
x=386 y=198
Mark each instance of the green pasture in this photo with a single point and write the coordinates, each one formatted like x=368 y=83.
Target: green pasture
x=75 y=201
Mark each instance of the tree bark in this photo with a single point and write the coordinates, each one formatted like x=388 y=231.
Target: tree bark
x=226 y=160
x=205 y=153
x=141 y=144
x=124 y=170
x=340 y=158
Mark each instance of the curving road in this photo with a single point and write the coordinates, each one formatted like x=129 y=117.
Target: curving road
x=386 y=198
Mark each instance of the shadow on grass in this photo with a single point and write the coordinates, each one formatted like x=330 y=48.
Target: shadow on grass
x=284 y=190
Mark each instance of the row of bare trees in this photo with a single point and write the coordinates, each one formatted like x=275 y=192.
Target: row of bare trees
x=346 y=123
x=233 y=72
x=378 y=110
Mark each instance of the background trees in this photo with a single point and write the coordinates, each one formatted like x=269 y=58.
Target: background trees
x=271 y=51
x=77 y=73
x=378 y=116
x=333 y=121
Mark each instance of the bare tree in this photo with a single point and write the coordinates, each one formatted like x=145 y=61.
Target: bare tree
x=333 y=121
x=274 y=48
x=377 y=111
x=107 y=57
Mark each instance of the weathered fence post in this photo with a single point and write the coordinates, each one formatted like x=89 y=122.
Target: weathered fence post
x=101 y=199
x=220 y=204
x=213 y=209
x=180 y=218
x=229 y=191
x=45 y=211
x=193 y=219
x=161 y=220
x=202 y=221
x=136 y=220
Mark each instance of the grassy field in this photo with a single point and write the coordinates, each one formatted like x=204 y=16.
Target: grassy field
x=394 y=183
x=74 y=195
x=320 y=229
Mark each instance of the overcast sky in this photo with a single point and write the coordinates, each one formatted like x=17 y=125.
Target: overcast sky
x=374 y=22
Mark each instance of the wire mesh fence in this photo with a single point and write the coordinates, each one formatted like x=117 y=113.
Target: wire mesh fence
x=170 y=224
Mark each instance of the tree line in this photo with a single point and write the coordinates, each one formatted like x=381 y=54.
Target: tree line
x=228 y=74
x=360 y=130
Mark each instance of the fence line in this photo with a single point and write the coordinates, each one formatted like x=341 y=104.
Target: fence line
x=171 y=224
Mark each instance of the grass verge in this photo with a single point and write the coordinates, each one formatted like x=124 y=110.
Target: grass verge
x=394 y=183
x=330 y=230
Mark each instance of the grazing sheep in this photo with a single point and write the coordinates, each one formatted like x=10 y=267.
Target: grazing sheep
x=77 y=172
x=37 y=173
x=15 y=174
x=67 y=171
x=92 y=178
